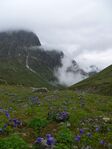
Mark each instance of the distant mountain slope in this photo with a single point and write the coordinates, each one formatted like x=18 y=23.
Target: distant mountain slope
x=100 y=83
x=23 y=61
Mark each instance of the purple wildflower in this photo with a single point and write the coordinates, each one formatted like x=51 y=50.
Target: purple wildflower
x=48 y=135
x=7 y=114
x=81 y=131
x=50 y=141
x=39 y=140
x=35 y=100
x=102 y=142
x=97 y=129
x=5 y=125
x=16 y=122
x=89 y=134
x=62 y=116
x=77 y=138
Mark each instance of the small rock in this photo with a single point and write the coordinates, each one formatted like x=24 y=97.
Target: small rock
x=68 y=124
x=106 y=119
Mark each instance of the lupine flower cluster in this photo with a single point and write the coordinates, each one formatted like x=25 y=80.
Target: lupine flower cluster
x=78 y=138
x=57 y=114
x=62 y=116
x=82 y=133
x=11 y=122
x=15 y=122
x=35 y=100
x=7 y=114
x=48 y=141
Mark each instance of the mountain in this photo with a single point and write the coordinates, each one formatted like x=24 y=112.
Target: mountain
x=100 y=83
x=74 y=68
x=93 y=70
x=24 y=62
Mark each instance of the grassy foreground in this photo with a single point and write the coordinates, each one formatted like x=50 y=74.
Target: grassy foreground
x=57 y=119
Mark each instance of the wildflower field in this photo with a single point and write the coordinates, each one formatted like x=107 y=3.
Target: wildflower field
x=60 y=119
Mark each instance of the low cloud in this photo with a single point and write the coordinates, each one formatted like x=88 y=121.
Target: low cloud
x=100 y=59
x=69 y=73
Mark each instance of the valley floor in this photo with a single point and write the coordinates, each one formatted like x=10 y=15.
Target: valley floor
x=60 y=119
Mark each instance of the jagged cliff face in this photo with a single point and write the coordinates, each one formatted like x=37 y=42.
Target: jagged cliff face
x=21 y=50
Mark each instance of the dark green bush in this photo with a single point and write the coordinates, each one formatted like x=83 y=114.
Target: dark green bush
x=38 y=123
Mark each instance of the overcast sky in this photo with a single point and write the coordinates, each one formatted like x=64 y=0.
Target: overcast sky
x=81 y=28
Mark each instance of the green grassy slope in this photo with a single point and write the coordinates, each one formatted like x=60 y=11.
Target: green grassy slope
x=100 y=83
x=88 y=112
x=14 y=73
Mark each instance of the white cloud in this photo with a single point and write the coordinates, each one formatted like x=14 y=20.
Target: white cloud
x=101 y=59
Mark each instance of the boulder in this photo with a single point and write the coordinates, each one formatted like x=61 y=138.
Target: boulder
x=42 y=89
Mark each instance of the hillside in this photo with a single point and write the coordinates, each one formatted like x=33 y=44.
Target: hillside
x=100 y=83
x=58 y=119
x=71 y=119
x=24 y=62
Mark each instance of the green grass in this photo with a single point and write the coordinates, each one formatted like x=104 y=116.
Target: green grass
x=100 y=83
x=15 y=73
x=85 y=111
x=13 y=142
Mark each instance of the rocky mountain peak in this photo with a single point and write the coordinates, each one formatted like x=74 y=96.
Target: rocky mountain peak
x=19 y=38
